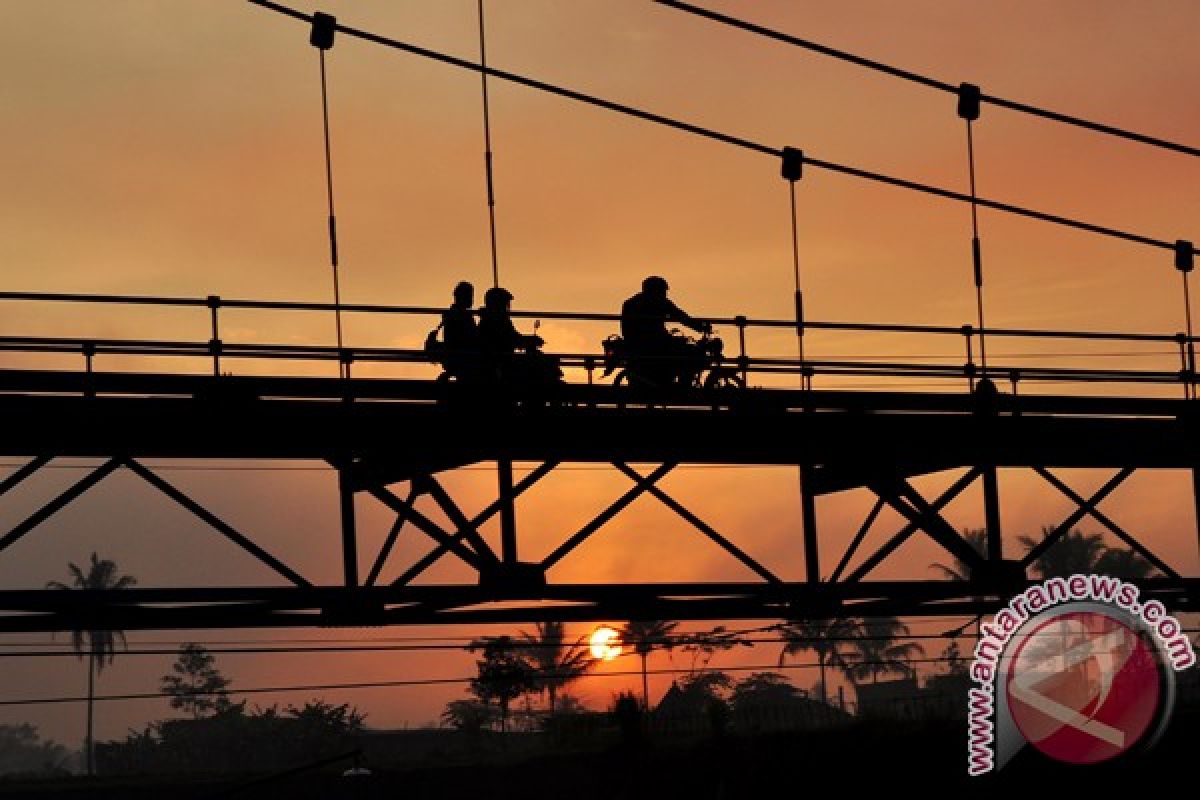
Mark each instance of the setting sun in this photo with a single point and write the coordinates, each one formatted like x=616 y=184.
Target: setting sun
x=605 y=643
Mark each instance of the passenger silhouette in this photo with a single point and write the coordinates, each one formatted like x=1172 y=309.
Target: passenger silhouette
x=644 y=319
x=460 y=335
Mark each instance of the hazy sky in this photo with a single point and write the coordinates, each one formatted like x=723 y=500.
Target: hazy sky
x=173 y=148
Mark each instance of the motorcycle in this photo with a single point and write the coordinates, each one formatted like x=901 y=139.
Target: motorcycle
x=697 y=364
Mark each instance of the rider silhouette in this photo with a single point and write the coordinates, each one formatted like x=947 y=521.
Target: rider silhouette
x=499 y=340
x=644 y=319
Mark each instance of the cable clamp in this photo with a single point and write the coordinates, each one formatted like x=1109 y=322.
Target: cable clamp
x=323 y=28
x=793 y=164
x=969 y=96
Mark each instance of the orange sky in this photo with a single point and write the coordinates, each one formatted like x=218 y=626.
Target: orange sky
x=174 y=149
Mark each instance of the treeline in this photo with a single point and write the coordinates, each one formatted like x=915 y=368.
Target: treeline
x=235 y=740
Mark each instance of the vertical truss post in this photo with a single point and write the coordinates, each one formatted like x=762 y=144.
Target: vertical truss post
x=349 y=538
x=508 y=512
x=1196 y=500
x=991 y=514
x=808 y=502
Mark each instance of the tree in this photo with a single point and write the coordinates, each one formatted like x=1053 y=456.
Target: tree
x=960 y=570
x=556 y=663
x=1083 y=553
x=467 y=716
x=1075 y=551
x=703 y=645
x=196 y=685
x=762 y=690
x=953 y=658
x=23 y=752
x=879 y=651
x=645 y=636
x=504 y=674
x=829 y=639
x=98 y=645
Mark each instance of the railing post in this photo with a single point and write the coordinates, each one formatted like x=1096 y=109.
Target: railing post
x=1184 y=377
x=969 y=367
x=89 y=351
x=214 y=344
x=743 y=361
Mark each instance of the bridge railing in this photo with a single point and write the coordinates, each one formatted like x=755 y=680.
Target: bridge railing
x=838 y=355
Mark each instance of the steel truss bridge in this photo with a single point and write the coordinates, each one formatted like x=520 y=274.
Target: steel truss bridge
x=394 y=439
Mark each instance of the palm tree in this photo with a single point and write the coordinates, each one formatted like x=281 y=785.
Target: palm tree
x=98 y=645
x=828 y=638
x=960 y=570
x=645 y=636
x=1124 y=563
x=557 y=663
x=1074 y=552
x=879 y=651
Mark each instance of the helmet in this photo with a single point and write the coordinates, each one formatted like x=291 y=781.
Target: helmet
x=497 y=297
x=655 y=285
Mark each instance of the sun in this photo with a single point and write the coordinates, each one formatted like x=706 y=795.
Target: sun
x=605 y=643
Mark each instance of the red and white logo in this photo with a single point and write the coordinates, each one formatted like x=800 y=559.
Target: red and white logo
x=1084 y=687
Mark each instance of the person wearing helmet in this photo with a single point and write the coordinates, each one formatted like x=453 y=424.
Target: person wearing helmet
x=498 y=337
x=644 y=319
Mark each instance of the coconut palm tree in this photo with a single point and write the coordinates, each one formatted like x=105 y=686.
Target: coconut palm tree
x=960 y=570
x=646 y=636
x=98 y=645
x=1078 y=552
x=880 y=651
x=830 y=639
x=556 y=662
x=1074 y=552
x=1124 y=563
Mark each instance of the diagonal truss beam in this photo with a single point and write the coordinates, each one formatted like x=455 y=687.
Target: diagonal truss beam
x=24 y=472
x=428 y=527
x=465 y=526
x=701 y=525
x=912 y=527
x=1073 y=518
x=214 y=521
x=430 y=558
x=640 y=486
x=918 y=510
x=393 y=534
x=1103 y=519
x=55 y=505
x=857 y=540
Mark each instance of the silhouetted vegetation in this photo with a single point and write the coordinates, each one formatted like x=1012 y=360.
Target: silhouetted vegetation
x=24 y=752
x=98 y=645
x=234 y=740
x=195 y=684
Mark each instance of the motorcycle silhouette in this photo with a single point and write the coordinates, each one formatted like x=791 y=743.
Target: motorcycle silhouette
x=698 y=365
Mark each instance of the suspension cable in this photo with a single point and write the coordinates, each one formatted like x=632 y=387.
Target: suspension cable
x=487 y=144
x=321 y=37
x=924 y=80
x=968 y=109
x=720 y=136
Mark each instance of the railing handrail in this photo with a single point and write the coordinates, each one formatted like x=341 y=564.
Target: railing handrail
x=735 y=321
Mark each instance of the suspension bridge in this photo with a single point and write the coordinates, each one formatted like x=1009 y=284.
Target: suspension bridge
x=391 y=429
